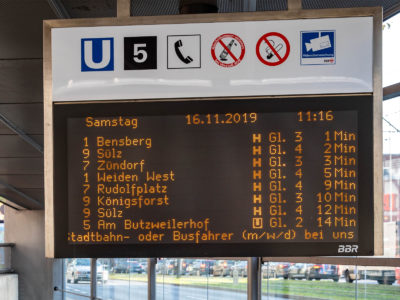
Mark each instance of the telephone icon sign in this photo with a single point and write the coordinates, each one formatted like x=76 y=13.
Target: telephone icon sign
x=184 y=51
x=178 y=46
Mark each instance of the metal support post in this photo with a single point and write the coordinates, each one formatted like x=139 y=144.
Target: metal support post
x=58 y=278
x=294 y=4
x=123 y=8
x=93 y=279
x=254 y=278
x=151 y=278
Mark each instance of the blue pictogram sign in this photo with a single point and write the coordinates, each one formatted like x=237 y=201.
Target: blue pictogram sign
x=318 y=47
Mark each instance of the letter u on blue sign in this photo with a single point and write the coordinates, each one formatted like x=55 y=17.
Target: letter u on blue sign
x=97 y=54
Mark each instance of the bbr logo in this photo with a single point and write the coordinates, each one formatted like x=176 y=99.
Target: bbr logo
x=348 y=249
x=140 y=53
x=97 y=54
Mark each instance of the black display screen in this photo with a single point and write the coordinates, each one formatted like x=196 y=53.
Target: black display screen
x=214 y=178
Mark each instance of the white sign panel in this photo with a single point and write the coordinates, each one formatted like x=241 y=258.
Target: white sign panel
x=290 y=57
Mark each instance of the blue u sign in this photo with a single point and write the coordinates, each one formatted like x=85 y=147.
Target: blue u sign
x=97 y=54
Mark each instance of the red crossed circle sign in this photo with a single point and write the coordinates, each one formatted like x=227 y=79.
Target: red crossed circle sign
x=228 y=50
x=273 y=48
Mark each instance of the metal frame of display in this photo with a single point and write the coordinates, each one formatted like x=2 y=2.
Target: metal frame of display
x=376 y=13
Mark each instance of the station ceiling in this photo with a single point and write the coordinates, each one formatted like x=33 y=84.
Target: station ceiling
x=107 y=8
x=21 y=85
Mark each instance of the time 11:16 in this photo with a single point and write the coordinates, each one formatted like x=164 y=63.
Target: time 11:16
x=314 y=116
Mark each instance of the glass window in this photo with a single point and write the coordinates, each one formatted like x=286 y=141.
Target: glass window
x=77 y=277
x=325 y=281
x=391 y=48
x=179 y=277
x=122 y=278
x=228 y=280
x=377 y=283
x=320 y=281
x=1 y=232
x=201 y=279
x=391 y=176
x=1 y=223
x=74 y=297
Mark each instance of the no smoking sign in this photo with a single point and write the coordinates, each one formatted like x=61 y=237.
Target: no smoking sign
x=273 y=49
x=228 y=50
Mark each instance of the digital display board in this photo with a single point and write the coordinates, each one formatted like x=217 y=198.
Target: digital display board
x=243 y=177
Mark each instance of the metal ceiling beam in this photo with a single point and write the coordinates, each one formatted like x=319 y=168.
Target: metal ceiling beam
x=249 y=5
x=390 y=12
x=59 y=9
x=10 y=203
x=22 y=194
x=394 y=127
x=21 y=133
x=391 y=91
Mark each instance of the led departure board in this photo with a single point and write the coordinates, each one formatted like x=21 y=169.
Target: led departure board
x=244 y=177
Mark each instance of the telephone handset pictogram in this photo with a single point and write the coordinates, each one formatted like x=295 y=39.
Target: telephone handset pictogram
x=187 y=59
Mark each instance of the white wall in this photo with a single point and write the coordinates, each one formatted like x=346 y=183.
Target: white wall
x=26 y=229
x=9 y=287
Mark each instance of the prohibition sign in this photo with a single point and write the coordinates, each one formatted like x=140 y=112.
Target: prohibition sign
x=228 y=50
x=273 y=49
